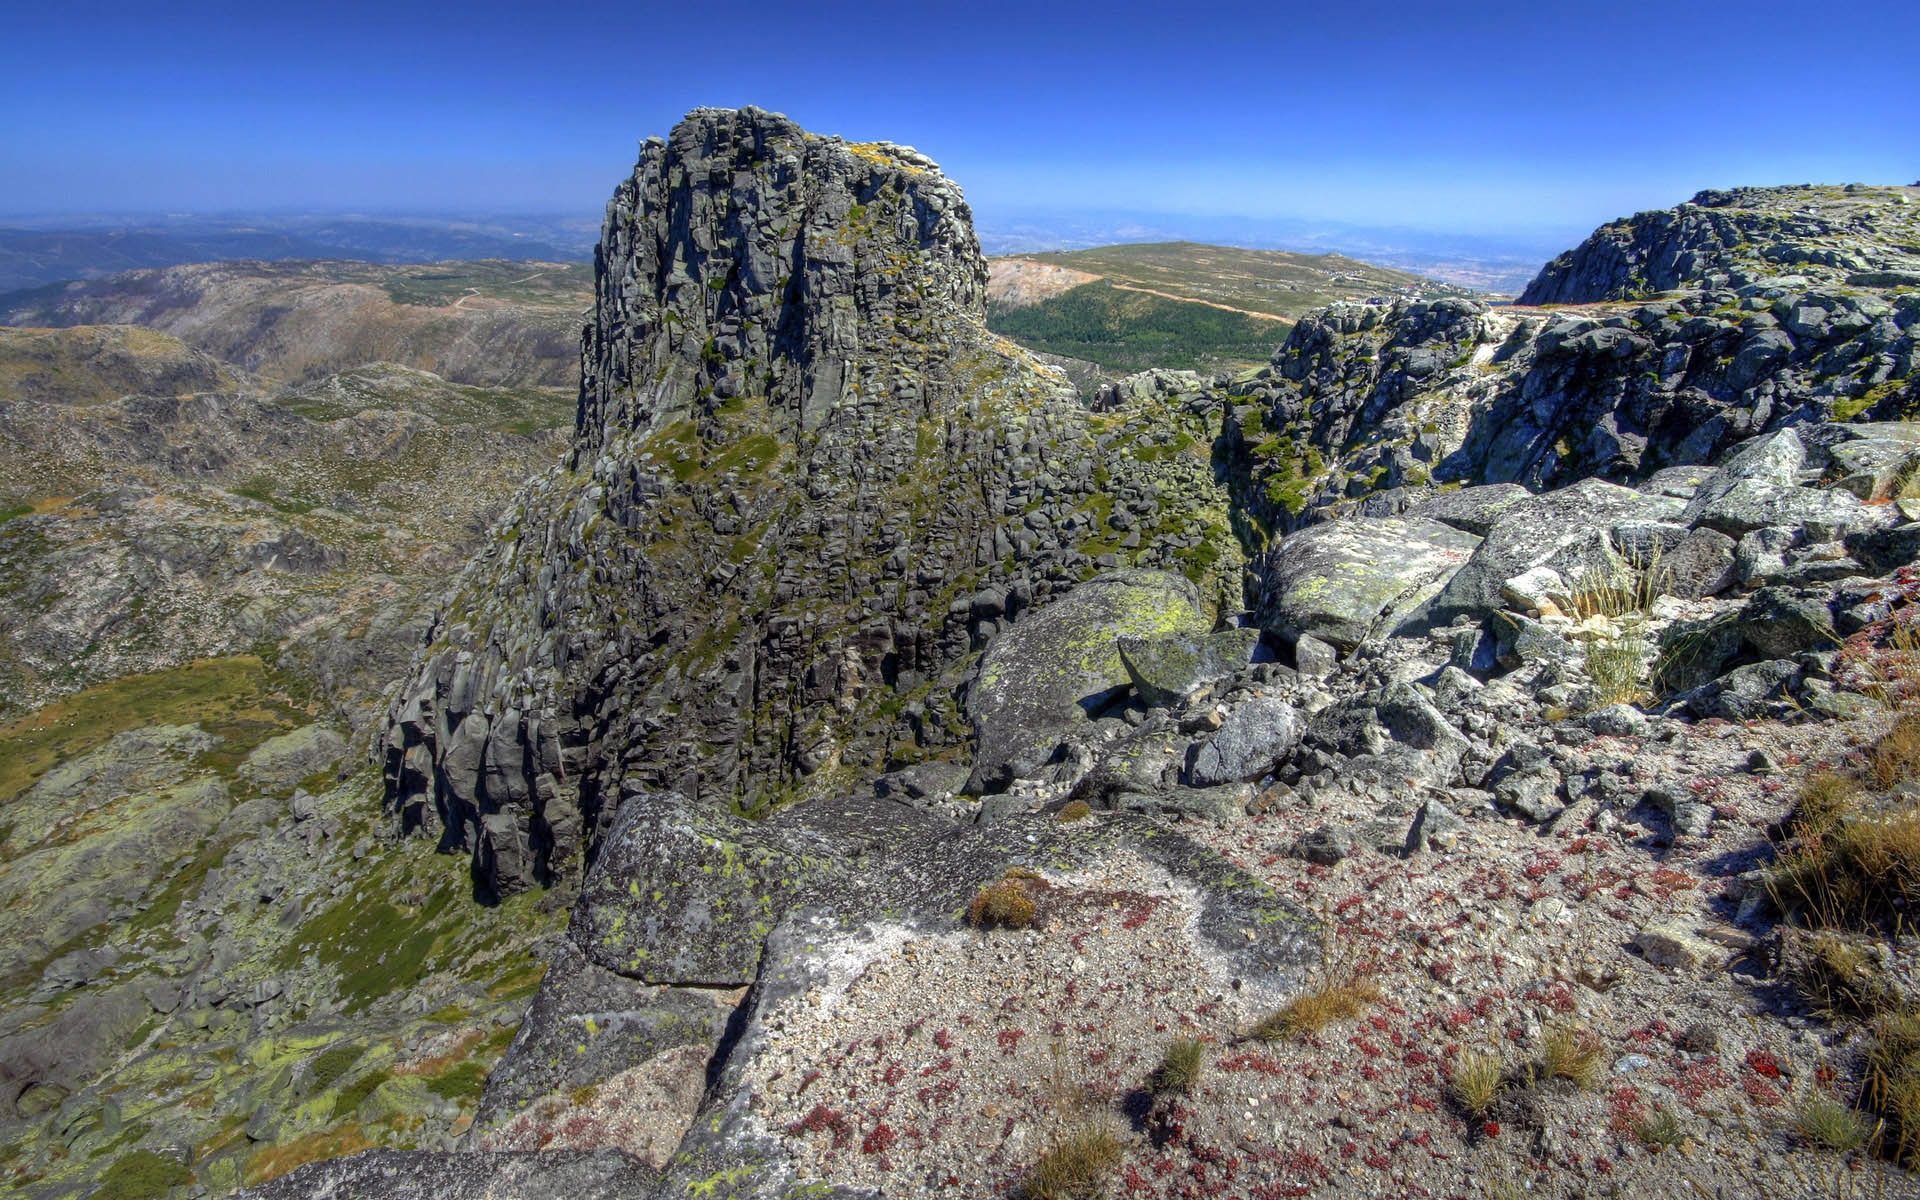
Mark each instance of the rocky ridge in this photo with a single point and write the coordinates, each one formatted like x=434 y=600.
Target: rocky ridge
x=1491 y=532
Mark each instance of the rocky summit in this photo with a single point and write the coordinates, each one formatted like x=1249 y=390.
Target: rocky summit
x=1470 y=754
x=806 y=487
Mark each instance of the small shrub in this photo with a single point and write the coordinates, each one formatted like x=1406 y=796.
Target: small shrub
x=1826 y=1122
x=1571 y=1052
x=1079 y=810
x=1003 y=905
x=1312 y=1011
x=1076 y=1165
x=1660 y=1130
x=1181 y=1066
x=1476 y=1080
x=332 y=1065
x=355 y=1094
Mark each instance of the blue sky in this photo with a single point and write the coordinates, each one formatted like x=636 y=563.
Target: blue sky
x=1484 y=116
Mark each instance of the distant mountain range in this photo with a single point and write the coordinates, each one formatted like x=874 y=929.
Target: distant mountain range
x=1501 y=263
x=38 y=250
x=52 y=249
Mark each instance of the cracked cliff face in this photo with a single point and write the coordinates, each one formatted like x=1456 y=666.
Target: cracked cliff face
x=806 y=485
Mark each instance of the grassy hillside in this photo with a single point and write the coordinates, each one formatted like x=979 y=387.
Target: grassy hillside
x=1276 y=283
x=1177 y=304
x=1131 y=331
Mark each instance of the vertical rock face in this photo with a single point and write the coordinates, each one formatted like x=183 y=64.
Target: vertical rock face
x=805 y=484
x=745 y=257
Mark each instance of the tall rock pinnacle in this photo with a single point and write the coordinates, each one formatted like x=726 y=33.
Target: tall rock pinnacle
x=806 y=484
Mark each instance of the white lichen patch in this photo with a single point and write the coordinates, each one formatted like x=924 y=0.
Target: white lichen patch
x=901 y=1067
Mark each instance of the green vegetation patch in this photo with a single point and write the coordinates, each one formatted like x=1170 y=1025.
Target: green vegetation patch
x=1132 y=331
x=436 y=285
x=142 y=1175
x=237 y=699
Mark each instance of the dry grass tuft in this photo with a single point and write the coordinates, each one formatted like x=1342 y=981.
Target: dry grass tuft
x=1476 y=1080
x=1856 y=863
x=1896 y=758
x=1617 y=667
x=1622 y=587
x=1572 y=1052
x=1839 y=977
x=1825 y=797
x=1892 y=1086
x=1660 y=1130
x=1862 y=871
x=1180 y=1068
x=1076 y=1165
x=1313 y=1011
x=1828 y=1123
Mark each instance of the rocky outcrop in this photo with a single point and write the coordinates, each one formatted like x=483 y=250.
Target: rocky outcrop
x=806 y=483
x=1366 y=407
x=1860 y=236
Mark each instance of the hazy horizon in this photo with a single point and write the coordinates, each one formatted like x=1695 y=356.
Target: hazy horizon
x=1517 y=120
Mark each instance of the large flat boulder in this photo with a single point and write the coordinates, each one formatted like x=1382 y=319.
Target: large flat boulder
x=1550 y=528
x=1347 y=581
x=1060 y=665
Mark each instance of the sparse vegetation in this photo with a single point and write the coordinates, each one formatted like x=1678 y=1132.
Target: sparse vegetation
x=141 y=1175
x=1861 y=871
x=1892 y=1086
x=1616 y=666
x=1660 y=1130
x=1002 y=905
x=1832 y=1125
x=1131 y=331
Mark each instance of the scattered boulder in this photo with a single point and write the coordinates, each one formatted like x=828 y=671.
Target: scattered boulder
x=1325 y=845
x=1671 y=944
x=1395 y=731
x=1534 y=793
x=1166 y=670
x=1562 y=529
x=1343 y=582
x=684 y=893
x=1058 y=666
x=280 y=762
x=1256 y=735
x=423 y=1175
